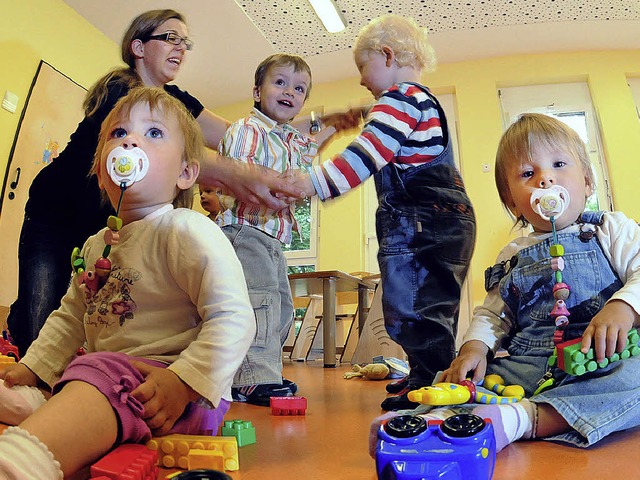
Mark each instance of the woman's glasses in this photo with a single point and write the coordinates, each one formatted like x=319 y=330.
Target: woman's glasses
x=172 y=38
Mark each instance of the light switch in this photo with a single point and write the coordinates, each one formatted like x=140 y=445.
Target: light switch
x=10 y=101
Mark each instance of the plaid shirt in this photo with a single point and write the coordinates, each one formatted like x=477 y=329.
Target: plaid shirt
x=260 y=140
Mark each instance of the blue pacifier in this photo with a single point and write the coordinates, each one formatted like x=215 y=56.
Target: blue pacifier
x=126 y=167
x=550 y=202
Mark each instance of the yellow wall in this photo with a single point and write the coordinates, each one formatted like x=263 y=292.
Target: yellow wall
x=49 y=30
x=475 y=85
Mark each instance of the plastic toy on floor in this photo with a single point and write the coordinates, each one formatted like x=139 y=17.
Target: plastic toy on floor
x=444 y=393
x=460 y=447
x=373 y=371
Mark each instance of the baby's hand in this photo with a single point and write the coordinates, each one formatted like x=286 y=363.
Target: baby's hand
x=163 y=395
x=18 y=374
x=608 y=330
x=472 y=357
x=344 y=120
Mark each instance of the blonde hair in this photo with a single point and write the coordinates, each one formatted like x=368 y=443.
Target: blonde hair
x=529 y=131
x=404 y=36
x=140 y=29
x=158 y=99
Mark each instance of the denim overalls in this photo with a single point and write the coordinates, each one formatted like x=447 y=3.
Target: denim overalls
x=426 y=233
x=594 y=404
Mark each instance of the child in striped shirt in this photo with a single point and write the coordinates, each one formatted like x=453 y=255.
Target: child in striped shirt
x=282 y=85
x=425 y=222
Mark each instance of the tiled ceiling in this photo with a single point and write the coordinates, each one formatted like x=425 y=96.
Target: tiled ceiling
x=233 y=36
x=292 y=26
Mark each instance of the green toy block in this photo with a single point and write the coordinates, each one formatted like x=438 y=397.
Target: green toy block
x=243 y=430
x=569 y=358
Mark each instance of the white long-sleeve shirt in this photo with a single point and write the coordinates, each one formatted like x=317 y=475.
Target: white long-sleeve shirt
x=176 y=294
x=619 y=237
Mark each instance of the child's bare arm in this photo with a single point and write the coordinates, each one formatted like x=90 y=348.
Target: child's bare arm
x=472 y=357
x=164 y=397
x=18 y=374
x=607 y=332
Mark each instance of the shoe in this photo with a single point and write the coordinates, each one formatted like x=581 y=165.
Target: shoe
x=259 y=394
x=290 y=385
x=398 y=385
x=399 y=402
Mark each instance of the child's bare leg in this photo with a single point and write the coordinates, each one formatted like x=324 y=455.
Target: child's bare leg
x=550 y=422
x=78 y=425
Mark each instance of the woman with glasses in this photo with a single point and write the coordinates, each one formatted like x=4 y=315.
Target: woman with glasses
x=64 y=206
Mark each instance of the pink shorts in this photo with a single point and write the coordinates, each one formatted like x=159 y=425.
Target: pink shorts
x=113 y=375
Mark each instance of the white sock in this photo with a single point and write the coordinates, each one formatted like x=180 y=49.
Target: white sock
x=24 y=457
x=18 y=402
x=511 y=422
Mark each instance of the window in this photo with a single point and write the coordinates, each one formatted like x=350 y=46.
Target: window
x=302 y=250
x=634 y=85
x=570 y=103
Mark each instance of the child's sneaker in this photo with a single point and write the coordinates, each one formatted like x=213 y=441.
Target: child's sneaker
x=398 y=385
x=290 y=385
x=399 y=402
x=260 y=394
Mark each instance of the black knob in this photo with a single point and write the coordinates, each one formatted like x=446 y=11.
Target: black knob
x=462 y=425
x=405 y=426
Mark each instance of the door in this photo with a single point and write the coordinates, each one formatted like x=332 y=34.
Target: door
x=52 y=111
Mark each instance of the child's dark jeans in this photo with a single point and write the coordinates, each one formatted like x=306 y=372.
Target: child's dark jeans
x=426 y=232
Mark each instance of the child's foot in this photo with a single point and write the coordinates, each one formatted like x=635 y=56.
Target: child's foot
x=18 y=402
x=290 y=385
x=511 y=422
x=398 y=385
x=260 y=394
x=399 y=402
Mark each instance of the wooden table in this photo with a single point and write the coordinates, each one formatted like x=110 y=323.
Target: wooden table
x=328 y=283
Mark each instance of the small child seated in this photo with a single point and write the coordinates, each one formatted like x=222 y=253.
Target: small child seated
x=166 y=324
x=209 y=199
x=540 y=295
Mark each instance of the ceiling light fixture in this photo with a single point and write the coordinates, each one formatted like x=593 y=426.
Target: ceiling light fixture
x=329 y=14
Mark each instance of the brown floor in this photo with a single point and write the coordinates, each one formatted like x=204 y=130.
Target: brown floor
x=330 y=442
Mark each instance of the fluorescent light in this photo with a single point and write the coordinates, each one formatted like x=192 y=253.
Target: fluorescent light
x=328 y=13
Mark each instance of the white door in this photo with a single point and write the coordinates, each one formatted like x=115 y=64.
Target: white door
x=52 y=112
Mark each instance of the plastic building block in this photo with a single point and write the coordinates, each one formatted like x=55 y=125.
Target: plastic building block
x=128 y=461
x=461 y=447
x=173 y=450
x=210 y=459
x=243 y=430
x=6 y=360
x=568 y=357
x=7 y=348
x=288 y=405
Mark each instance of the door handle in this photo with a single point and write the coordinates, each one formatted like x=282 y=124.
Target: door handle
x=14 y=184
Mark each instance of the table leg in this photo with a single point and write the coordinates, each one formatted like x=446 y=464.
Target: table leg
x=363 y=304
x=329 y=321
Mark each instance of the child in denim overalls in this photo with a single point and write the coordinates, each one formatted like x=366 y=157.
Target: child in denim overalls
x=602 y=269
x=425 y=223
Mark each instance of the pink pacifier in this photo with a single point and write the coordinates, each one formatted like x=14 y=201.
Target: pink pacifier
x=126 y=167
x=550 y=202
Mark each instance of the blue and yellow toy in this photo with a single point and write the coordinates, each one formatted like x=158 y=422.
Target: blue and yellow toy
x=444 y=393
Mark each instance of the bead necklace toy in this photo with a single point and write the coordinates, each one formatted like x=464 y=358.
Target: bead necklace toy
x=550 y=204
x=125 y=167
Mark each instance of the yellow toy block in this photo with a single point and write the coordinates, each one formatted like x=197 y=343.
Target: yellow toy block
x=208 y=459
x=174 y=450
x=6 y=360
